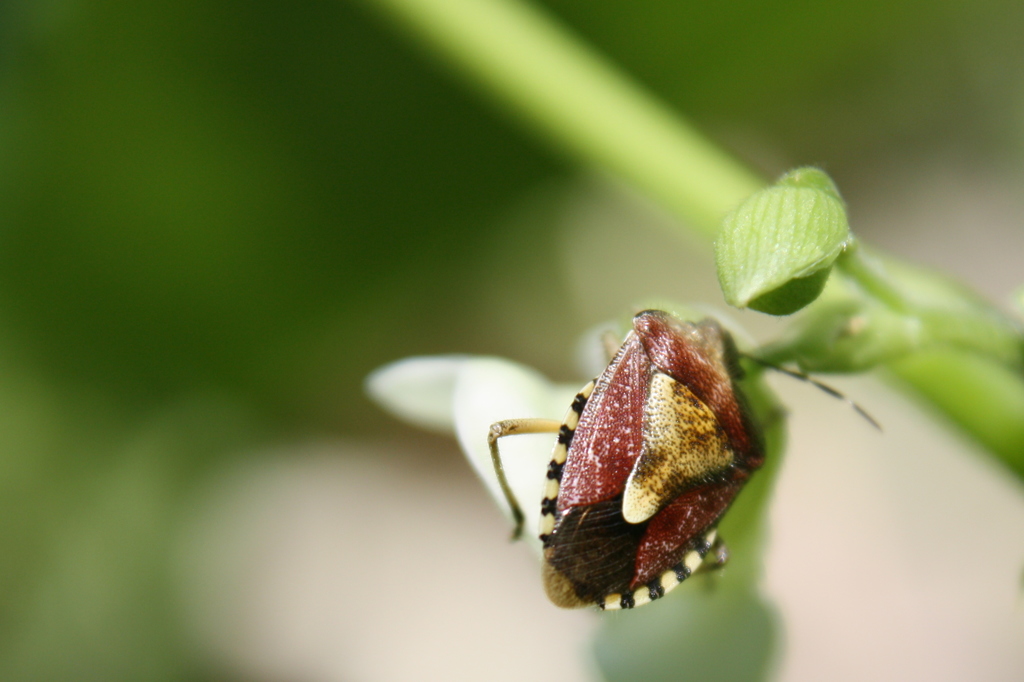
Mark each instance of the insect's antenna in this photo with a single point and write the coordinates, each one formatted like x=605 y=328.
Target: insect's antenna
x=824 y=387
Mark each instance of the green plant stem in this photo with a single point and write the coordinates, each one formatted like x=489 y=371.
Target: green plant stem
x=870 y=275
x=581 y=102
x=935 y=312
x=594 y=112
x=983 y=397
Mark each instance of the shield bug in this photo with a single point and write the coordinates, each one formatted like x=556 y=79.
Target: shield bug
x=648 y=458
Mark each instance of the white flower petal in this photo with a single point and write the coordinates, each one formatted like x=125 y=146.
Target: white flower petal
x=464 y=395
x=419 y=390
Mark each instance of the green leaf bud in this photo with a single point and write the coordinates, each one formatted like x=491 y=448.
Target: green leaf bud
x=775 y=251
x=850 y=336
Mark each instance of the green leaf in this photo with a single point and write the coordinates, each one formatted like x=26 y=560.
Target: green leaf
x=705 y=634
x=775 y=251
x=793 y=295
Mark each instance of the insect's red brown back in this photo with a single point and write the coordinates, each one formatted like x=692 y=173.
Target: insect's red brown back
x=673 y=529
x=608 y=438
x=661 y=447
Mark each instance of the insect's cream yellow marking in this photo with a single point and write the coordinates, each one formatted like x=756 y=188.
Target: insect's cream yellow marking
x=692 y=560
x=551 y=489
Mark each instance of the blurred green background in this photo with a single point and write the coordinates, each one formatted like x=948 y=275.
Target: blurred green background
x=216 y=217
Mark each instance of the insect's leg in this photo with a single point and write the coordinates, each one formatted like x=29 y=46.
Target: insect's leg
x=513 y=427
x=610 y=342
x=716 y=557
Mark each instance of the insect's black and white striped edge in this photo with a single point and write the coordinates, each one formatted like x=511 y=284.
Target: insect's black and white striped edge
x=655 y=589
x=550 y=501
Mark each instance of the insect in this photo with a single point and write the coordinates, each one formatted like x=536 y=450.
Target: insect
x=648 y=458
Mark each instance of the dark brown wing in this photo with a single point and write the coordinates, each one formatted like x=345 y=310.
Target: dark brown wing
x=592 y=553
